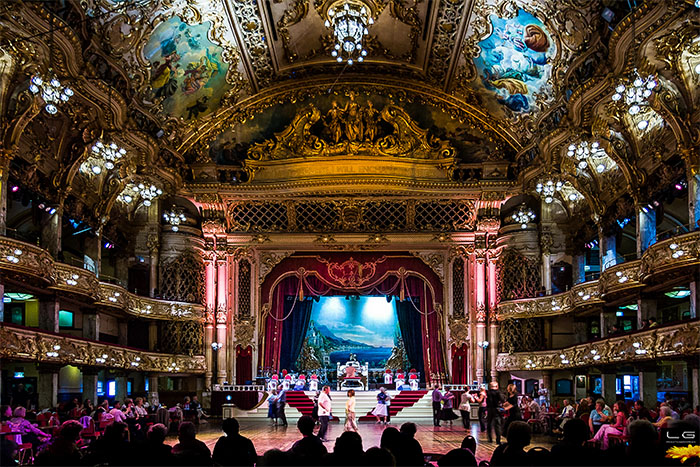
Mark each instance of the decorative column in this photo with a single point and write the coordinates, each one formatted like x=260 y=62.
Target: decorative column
x=609 y=386
x=692 y=162
x=51 y=234
x=493 y=313
x=48 y=314
x=5 y=158
x=47 y=386
x=153 y=389
x=646 y=229
x=221 y=317
x=121 y=387
x=546 y=245
x=123 y=332
x=153 y=244
x=90 y=379
x=91 y=327
x=578 y=268
x=694 y=375
x=646 y=308
x=210 y=298
x=607 y=319
x=647 y=385
x=480 y=279
x=608 y=249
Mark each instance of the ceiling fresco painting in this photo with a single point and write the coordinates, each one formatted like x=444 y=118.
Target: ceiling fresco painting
x=188 y=74
x=515 y=63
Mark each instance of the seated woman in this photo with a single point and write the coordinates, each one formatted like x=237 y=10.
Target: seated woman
x=29 y=432
x=599 y=416
x=616 y=428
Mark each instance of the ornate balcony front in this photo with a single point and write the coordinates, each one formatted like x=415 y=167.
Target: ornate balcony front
x=671 y=341
x=582 y=296
x=45 y=347
x=675 y=256
x=619 y=279
x=28 y=261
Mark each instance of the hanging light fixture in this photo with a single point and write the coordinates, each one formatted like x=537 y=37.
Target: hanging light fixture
x=349 y=20
x=584 y=152
x=524 y=216
x=635 y=93
x=139 y=190
x=175 y=217
x=103 y=156
x=51 y=91
x=547 y=190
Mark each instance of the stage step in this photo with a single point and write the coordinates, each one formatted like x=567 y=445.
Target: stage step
x=405 y=405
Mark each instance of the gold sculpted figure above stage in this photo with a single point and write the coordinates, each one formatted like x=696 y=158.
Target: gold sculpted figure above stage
x=353 y=130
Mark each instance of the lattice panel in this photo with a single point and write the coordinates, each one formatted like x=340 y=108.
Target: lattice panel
x=316 y=217
x=445 y=215
x=521 y=335
x=182 y=278
x=182 y=337
x=458 y=287
x=518 y=276
x=384 y=215
x=244 y=287
x=259 y=217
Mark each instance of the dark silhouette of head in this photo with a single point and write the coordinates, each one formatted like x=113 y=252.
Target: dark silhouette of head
x=379 y=457
x=230 y=426
x=519 y=434
x=642 y=434
x=116 y=431
x=457 y=457
x=274 y=457
x=409 y=429
x=576 y=432
x=469 y=443
x=348 y=445
x=187 y=432
x=157 y=433
x=306 y=425
x=70 y=430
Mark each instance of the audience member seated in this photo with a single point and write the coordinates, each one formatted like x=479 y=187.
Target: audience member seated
x=190 y=450
x=458 y=457
x=154 y=451
x=615 y=428
x=393 y=441
x=234 y=449
x=512 y=452
x=640 y=412
x=665 y=416
x=112 y=448
x=63 y=449
x=275 y=457
x=599 y=416
x=5 y=413
x=309 y=450
x=642 y=448
x=347 y=450
x=539 y=456
x=30 y=433
x=379 y=457
x=117 y=413
x=414 y=451
x=572 y=450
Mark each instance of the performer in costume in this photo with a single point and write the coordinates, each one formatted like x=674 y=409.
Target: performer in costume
x=350 y=424
x=447 y=413
x=381 y=411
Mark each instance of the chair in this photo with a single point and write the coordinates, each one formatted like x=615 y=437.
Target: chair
x=88 y=433
x=25 y=453
x=537 y=425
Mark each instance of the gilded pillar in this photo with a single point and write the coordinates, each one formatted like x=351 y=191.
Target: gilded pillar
x=5 y=158
x=493 y=314
x=480 y=279
x=222 y=313
x=210 y=298
x=153 y=244
x=646 y=228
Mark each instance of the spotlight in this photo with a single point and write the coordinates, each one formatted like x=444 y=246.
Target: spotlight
x=15 y=189
x=52 y=211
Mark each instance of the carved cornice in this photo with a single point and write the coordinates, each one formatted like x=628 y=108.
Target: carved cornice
x=23 y=259
x=620 y=278
x=44 y=347
x=435 y=260
x=578 y=298
x=672 y=341
x=244 y=330
x=459 y=331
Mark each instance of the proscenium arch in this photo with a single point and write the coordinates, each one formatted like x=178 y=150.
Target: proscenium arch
x=395 y=89
x=399 y=265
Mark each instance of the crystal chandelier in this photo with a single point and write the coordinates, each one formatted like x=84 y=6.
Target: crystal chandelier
x=51 y=91
x=548 y=189
x=635 y=94
x=146 y=192
x=584 y=151
x=174 y=217
x=524 y=216
x=103 y=156
x=349 y=20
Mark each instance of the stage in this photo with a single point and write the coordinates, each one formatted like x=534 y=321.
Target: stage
x=439 y=440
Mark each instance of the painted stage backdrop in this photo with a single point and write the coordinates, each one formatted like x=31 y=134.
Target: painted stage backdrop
x=515 y=62
x=366 y=327
x=187 y=71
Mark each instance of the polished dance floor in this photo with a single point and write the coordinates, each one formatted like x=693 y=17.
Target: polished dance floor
x=437 y=440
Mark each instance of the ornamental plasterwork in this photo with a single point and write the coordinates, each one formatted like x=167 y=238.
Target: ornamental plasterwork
x=248 y=20
x=270 y=259
x=435 y=260
x=244 y=330
x=444 y=39
x=117 y=297
x=459 y=331
x=682 y=339
x=41 y=347
x=354 y=129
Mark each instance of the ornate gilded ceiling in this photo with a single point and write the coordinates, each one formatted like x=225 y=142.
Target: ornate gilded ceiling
x=507 y=85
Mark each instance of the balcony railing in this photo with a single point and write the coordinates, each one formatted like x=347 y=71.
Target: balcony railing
x=663 y=342
x=32 y=261
x=674 y=256
x=23 y=343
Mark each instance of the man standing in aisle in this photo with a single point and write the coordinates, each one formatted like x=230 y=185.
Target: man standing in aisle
x=324 y=412
x=437 y=397
x=494 y=411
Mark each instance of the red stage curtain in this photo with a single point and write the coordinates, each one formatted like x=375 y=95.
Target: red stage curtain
x=273 y=327
x=459 y=364
x=244 y=364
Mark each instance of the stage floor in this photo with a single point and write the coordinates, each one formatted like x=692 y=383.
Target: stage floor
x=438 y=440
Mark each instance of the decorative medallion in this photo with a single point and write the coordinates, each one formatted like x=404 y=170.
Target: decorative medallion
x=351 y=273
